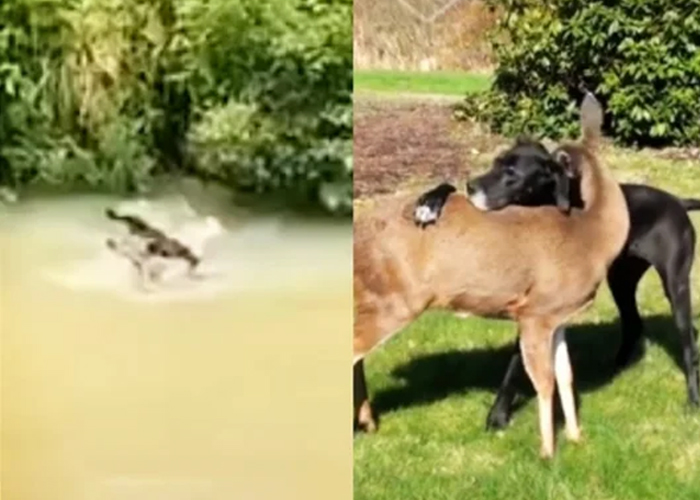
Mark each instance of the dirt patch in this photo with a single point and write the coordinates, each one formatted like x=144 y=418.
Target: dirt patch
x=688 y=153
x=397 y=142
x=412 y=141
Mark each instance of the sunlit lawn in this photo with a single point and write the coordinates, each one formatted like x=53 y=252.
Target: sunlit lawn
x=435 y=82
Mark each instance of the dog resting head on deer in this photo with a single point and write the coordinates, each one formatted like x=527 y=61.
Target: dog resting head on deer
x=536 y=266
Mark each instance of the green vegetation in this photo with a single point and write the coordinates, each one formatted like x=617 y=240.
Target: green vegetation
x=111 y=93
x=433 y=385
x=434 y=82
x=639 y=57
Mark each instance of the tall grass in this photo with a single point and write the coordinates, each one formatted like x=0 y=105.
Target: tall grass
x=400 y=35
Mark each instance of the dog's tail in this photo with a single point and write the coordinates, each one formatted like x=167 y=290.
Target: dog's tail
x=112 y=214
x=135 y=224
x=690 y=204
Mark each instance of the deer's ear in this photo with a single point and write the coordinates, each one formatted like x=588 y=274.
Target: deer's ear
x=591 y=117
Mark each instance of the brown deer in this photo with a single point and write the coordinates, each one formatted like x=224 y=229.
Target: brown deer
x=535 y=266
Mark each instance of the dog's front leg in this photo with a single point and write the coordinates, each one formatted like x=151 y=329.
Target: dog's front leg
x=429 y=205
x=500 y=412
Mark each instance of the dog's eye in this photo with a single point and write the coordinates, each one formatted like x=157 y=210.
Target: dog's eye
x=509 y=170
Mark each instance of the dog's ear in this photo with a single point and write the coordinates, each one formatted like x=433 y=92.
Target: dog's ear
x=522 y=140
x=562 y=189
x=566 y=162
x=563 y=158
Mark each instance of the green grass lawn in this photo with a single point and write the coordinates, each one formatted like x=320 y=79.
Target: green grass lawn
x=436 y=82
x=434 y=383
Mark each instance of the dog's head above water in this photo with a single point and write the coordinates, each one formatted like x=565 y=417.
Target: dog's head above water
x=196 y=234
x=212 y=226
x=527 y=174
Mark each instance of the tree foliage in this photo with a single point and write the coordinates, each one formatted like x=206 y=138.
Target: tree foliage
x=640 y=57
x=110 y=93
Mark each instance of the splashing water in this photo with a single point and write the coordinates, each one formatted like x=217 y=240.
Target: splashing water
x=261 y=254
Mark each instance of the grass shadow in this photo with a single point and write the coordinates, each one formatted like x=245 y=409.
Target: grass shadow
x=592 y=348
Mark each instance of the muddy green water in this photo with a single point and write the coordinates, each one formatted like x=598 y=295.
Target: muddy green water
x=236 y=388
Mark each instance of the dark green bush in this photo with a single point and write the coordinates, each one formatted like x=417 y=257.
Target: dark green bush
x=641 y=58
x=76 y=105
x=110 y=93
x=283 y=121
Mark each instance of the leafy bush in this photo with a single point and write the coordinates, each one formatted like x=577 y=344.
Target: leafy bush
x=78 y=91
x=284 y=120
x=110 y=93
x=640 y=58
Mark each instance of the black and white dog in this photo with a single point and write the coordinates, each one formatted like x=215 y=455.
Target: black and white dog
x=661 y=235
x=149 y=249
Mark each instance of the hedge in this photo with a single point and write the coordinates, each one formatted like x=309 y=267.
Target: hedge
x=112 y=93
x=641 y=58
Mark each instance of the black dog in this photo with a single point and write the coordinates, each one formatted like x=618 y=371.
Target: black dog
x=661 y=235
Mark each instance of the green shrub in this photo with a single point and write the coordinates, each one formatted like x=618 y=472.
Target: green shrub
x=274 y=102
x=641 y=58
x=77 y=104
x=110 y=93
